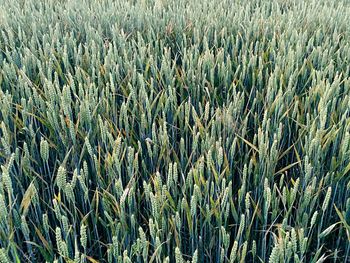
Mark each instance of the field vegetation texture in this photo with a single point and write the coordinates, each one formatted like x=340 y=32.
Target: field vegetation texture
x=174 y=131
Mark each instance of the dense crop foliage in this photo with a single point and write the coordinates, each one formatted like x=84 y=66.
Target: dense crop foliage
x=174 y=131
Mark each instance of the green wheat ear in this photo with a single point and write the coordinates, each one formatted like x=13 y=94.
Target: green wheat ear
x=3 y=256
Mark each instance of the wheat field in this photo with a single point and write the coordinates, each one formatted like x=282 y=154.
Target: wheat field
x=174 y=131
